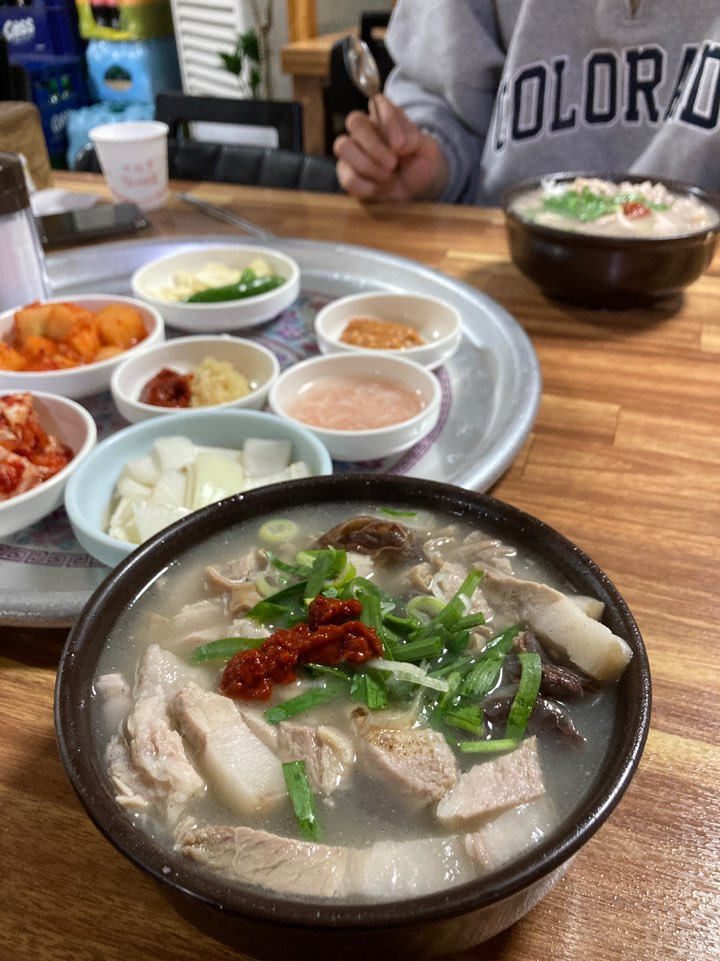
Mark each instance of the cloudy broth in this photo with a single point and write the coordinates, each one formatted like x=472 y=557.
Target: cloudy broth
x=364 y=812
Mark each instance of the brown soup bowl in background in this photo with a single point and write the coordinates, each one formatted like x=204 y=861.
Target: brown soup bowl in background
x=274 y=926
x=603 y=271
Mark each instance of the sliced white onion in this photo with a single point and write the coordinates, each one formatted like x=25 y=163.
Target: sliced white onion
x=408 y=672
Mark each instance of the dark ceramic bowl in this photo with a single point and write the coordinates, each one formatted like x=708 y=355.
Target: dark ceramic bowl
x=273 y=926
x=599 y=271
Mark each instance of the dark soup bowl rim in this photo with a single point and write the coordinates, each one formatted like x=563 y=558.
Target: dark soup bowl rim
x=707 y=197
x=129 y=579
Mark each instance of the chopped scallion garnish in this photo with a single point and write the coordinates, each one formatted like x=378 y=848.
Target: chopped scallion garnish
x=468 y=718
x=527 y=692
x=456 y=606
x=306 y=701
x=328 y=564
x=223 y=649
x=488 y=747
x=417 y=650
x=281 y=609
x=297 y=570
x=368 y=687
x=302 y=799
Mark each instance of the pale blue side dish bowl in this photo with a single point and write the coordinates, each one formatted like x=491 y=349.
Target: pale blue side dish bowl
x=91 y=487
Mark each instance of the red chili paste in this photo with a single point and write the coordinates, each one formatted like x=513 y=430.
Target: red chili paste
x=331 y=634
x=167 y=388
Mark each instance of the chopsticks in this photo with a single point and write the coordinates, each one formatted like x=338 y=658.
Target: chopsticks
x=219 y=213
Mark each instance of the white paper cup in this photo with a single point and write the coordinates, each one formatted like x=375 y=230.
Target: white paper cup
x=133 y=158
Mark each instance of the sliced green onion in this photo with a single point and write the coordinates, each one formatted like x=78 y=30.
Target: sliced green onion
x=281 y=609
x=469 y=621
x=406 y=671
x=327 y=565
x=377 y=698
x=424 y=606
x=488 y=747
x=301 y=571
x=417 y=650
x=223 y=649
x=301 y=798
x=483 y=676
x=446 y=702
x=368 y=687
x=457 y=605
x=395 y=512
x=348 y=573
x=455 y=664
x=468 y=718
x=400 y=625
x=306 y=701
x=376 y=604
x=527 y=692
x=457 y=643
x=263 y=586
x=278 y=530
x=501 y=639
x=326 y=670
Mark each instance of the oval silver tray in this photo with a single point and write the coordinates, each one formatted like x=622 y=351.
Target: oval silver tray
x=491 y=392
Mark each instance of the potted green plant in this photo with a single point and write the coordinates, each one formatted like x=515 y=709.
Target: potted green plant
x=250 y=60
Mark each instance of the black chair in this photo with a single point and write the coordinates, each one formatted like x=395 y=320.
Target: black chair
x=179 y=110
x=14 y=79
x=239 y=164
x=252 y=165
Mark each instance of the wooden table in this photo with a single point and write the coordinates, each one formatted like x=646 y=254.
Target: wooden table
x=625 y=460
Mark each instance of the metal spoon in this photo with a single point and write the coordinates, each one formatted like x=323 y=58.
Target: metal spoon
x=363 y=70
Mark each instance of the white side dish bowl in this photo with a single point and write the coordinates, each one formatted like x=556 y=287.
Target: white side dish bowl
x=91 y=498
x=227 y=315
x=369 y=443
x=184 y=354
x=437 y=323
x=85 y=379
x=69 y=423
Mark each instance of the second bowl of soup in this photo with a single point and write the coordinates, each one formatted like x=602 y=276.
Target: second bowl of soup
x=610 y=240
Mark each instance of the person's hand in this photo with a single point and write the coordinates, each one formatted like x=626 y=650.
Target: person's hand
x=387 y=158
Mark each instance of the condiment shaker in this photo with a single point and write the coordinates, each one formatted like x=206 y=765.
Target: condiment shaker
x=23 y=274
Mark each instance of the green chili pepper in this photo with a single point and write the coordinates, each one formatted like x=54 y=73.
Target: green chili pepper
x=251 y=288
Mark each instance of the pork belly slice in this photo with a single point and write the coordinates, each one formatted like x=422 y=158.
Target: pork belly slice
x=384 y=871
x=238 y=578
x=511 y=833
x=416 y=763
x=149 y=765
x=406 y=869
x=258 y=857
x=240 y=570
x=328 y=754
x=560 y=622
x=116 y=695
x=245 y=773
x=193 y=625
x=493 y=786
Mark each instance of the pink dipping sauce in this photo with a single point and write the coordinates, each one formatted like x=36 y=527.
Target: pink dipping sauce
x=355 y=403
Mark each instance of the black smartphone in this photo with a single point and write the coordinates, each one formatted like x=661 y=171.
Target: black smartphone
x=94 y=223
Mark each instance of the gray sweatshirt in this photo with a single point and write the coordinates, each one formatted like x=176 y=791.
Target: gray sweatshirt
x=516 y=88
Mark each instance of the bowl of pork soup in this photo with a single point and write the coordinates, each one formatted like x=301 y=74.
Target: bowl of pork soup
x=394 y=710
x=610 y=240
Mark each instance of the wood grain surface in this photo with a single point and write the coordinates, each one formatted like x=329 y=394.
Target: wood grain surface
x=625 y=460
